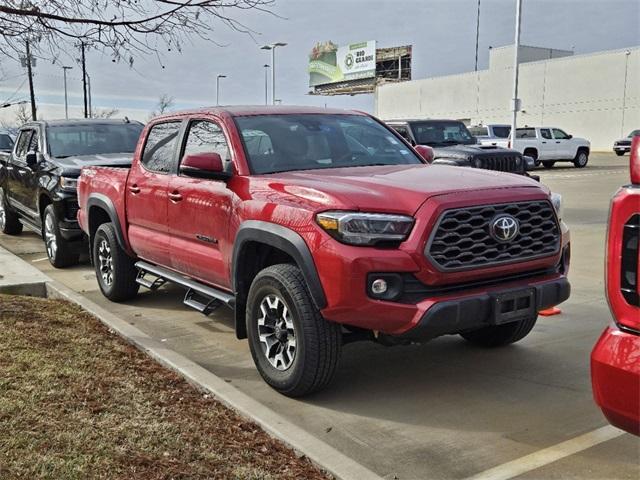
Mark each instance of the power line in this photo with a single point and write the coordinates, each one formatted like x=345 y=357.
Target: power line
x=16 y=92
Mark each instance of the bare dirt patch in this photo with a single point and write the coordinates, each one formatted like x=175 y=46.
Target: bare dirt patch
x=76 y=401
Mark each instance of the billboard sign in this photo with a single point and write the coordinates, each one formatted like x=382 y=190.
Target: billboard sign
x=329 y=63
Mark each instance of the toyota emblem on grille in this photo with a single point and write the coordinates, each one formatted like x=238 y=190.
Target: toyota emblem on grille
x=504 y=228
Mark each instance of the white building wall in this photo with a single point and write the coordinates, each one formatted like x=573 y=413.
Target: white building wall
x=583 y=94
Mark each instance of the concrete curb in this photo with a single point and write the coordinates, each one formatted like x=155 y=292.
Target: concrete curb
x=320 y=453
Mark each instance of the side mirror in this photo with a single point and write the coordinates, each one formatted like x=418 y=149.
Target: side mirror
x=569 y=137
x=203 y=165
x=31 y=159
x=425 y=152
x=634 y=161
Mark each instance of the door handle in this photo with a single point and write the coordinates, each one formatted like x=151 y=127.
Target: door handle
x=558 y=141
x=544 y=142
x=134 y=189
x=175 y=196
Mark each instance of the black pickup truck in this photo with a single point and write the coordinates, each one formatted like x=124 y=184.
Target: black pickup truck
x=453 y=144
x=38 y=179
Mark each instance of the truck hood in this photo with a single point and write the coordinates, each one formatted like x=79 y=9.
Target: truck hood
x=477 y=151
x=72 y=165
x=393 y=189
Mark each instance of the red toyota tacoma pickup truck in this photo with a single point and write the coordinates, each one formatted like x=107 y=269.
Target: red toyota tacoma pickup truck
x=615 y=360
x=320 y=227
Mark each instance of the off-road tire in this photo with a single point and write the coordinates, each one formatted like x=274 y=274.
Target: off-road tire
x=581 y=159
x=618 y=153
x=9 y=222
x=500 y=335
x=59 y=251
x=318 y=342
x=548 y=164
x=123 y=284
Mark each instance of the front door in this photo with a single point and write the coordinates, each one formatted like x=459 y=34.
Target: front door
x=146 y=194
x=199 y=211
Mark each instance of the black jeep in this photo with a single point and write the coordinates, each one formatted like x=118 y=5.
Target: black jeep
x=453 y=145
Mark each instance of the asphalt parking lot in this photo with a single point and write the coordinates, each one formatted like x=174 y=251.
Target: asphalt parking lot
x=444 y=409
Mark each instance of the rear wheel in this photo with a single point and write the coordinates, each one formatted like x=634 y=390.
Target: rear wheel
x=499 y=335
x=59 y=252
x=548 y=164
x=582 y=157
x=115 y=270
x=9 y=222
x=295 y=350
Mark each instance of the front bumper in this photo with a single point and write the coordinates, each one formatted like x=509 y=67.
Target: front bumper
x=622 y=148
x=477 y=310
x=615 y=377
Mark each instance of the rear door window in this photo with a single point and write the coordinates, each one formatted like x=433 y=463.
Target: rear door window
x=526 y=133
x=546 y=133
x=160 y=150
x=502 y=132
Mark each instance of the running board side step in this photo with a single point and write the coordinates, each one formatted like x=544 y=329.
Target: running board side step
x=201 y=297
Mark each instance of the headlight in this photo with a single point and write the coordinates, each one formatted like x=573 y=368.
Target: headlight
x=68 y=183
x=365 y=228
x=556 y=201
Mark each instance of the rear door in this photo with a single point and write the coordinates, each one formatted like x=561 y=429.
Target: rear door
x=564 y=145
x=146 y=193
x=199 y=211
x=547 y=144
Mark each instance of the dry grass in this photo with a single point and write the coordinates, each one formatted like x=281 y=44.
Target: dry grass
x=76 y=401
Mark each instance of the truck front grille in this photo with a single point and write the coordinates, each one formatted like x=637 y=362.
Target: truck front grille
x=502 y=163
x=462 y=238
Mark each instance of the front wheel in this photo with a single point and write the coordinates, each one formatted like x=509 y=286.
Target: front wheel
x=59 y=251
x=581 y=159
x=295 y=350
x=115 y=270
x=619 y=153
x=9 y=222
x=500 y=335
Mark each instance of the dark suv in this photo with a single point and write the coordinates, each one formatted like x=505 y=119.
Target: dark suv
x=453 y=145
x=38 y=180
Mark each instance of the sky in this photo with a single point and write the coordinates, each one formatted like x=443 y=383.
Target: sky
x=442 y=33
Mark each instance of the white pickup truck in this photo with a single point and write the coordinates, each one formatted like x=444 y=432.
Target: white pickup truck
x=548 y=145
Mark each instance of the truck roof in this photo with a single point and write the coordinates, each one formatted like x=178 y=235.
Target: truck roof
x=427 y=120
x=80 y=121
x=247 y=110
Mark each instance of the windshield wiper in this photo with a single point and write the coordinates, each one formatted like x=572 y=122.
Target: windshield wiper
x=62 y=156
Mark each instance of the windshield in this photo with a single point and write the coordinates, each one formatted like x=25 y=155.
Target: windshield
x=443 y=133
x=5 y=142
x=634 y=133
x=279 y=143
x=93 y=139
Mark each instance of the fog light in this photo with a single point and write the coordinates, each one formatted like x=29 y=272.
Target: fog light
x=379 y=286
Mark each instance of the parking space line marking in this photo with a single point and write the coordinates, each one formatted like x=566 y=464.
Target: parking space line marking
x=39 y=259
x=549 y=455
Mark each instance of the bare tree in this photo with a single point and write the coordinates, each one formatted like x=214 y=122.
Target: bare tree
x=120 y=27
x=165 y=103
x=104 y=112
x=23 y=114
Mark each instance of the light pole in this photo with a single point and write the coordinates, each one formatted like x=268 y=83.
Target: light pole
x=516 y=101
x=266 y=83
x=273 y=47
x=218 y=88
x=66 y=102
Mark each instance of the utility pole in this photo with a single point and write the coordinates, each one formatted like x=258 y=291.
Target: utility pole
x=30 y=74
x=84 y=79
x=66 y=101
x=89 y=96
x=516 y=63
x=477 y=34
x=266 y=84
